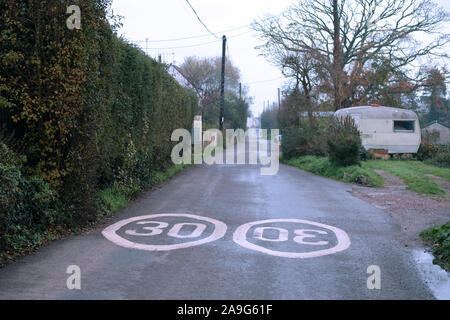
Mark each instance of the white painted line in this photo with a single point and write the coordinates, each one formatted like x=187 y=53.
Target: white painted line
x=240 y=237
x=110 y=232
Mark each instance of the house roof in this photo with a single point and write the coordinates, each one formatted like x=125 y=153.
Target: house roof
x=179 y=76
x=435 y=121
x=318 y=113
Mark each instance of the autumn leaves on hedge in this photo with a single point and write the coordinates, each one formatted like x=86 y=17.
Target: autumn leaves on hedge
x=87 y=109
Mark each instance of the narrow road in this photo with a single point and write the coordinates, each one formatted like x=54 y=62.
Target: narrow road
x=293 y=259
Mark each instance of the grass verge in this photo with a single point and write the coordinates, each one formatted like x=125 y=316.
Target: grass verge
x=413 y=173
x=116 y=198
x=439 y=239
x=323 y=166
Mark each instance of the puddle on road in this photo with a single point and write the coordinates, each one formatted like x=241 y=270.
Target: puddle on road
x=437 y=279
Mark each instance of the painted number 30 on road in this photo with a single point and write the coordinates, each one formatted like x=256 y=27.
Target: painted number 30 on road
x=170 y=231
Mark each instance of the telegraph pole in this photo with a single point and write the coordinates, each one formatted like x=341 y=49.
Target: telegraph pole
x=240 y=90
x=279 y=99
x=222 y=83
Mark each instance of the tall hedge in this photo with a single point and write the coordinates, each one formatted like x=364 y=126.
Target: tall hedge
x=86 y=108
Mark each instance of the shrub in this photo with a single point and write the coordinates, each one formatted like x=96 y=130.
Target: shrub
x=344 y=142
x=303 y=141
x=427 y=150
x=365 y=155
x=442 y=156
x=439 y=236
x=28 y=206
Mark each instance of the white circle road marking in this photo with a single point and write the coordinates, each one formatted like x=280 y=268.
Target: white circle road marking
x=110 y=233
x=240 y=237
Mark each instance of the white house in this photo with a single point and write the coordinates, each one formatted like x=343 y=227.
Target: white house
x=197 y=128
x=392 y=129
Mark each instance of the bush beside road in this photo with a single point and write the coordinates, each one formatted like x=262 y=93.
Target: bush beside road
x=439 y=238
x=32 y=211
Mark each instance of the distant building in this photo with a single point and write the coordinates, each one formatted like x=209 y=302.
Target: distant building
x=318 y=114
x=177 y=74
x=253 y=123
x=441 y=130
x=197 y=126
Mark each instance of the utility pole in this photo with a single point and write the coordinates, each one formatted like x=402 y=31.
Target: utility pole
x=337 y=57
x=240 y=90
x=146 y=46
x=279 y=99
x=222 y=83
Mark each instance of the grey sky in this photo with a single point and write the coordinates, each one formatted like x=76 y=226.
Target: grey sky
x=173 y=19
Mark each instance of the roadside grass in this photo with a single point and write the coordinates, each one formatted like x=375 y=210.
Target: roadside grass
x=323 y=166
x=439 y=239
x=169 y=173
x=413 y=173
x=116 y=198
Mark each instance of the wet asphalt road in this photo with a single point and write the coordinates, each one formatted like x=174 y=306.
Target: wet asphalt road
x=223 y=269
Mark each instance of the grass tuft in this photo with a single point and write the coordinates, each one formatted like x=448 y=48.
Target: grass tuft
x=114 y=199
x=439 y=238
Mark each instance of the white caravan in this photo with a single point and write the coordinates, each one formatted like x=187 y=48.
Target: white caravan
x=392 y=129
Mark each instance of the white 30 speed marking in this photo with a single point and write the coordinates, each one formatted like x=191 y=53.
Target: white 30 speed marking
x=110 y=232
x=343 y=241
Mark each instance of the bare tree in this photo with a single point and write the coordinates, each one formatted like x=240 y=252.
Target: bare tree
x=304 y=72
x=204 y=75
x=344 y=36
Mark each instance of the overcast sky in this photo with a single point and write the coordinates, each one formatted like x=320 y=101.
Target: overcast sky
x=173 y=19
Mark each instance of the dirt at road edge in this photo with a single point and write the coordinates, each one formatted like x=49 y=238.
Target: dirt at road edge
x=412 y=211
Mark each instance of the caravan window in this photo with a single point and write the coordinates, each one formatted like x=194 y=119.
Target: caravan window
x=404 y=125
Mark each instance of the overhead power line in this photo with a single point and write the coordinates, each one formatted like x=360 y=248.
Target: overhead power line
x=201 y=20
x=188 y=46
x=197 y=36
x=192 y=45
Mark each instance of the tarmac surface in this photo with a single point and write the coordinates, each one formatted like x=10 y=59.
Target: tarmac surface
x=204 y=235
